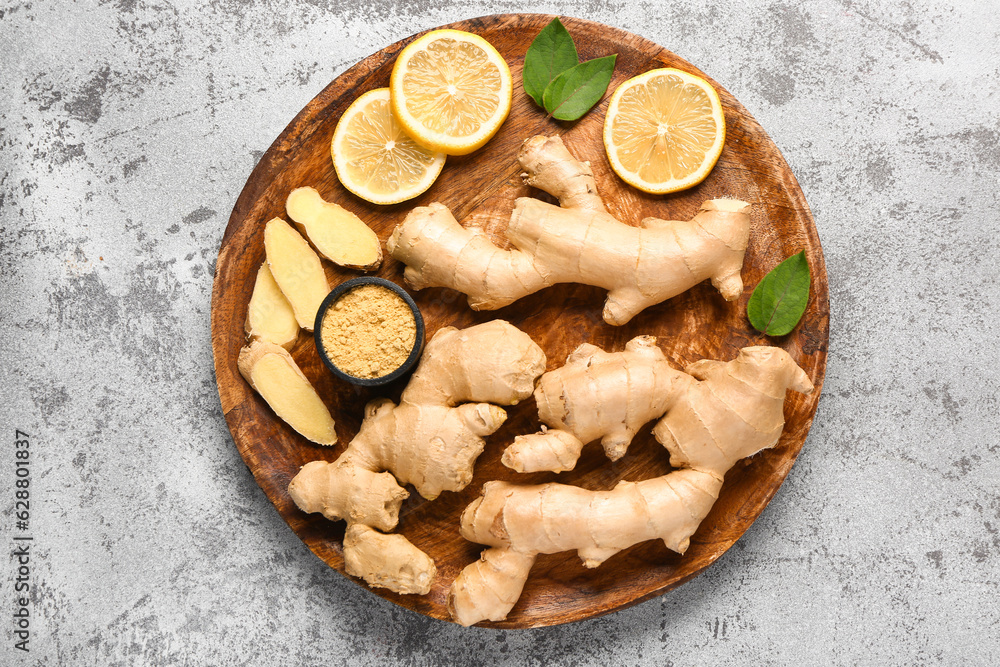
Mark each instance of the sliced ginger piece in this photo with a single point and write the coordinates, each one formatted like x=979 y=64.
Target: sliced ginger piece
x=273 y=374
x=270 y=317
x=338 y=235
x=297 y=270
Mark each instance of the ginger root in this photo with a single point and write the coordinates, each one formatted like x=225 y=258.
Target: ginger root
x=609 y=396
x=297 y=270
x=576 y=242
x=273 y=374
x=339 y=235
x=430 y=440
x=269 y=316
x=721 y=412
x=596 y=395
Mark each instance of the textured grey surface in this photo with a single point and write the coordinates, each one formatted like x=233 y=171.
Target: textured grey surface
x=127 y=130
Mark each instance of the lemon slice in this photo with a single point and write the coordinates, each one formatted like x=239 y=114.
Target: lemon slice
x=664 y=130
x=451 y=91
x=374 y=157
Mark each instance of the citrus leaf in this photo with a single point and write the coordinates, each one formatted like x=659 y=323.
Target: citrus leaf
x=575 y=91
x=779 y=300
x=551 y=53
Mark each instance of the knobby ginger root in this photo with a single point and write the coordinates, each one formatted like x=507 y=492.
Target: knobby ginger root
x=519 y=522
x=430 y=440
x=734 y=412
x=274 y=375
x=270 y=316
x=596 y=395
x=609 y=396
x=721 y=412
x=339 y=235
x=579 y=242
x=297 y=270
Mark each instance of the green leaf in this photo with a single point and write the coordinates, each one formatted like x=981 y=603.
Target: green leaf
x=550 y=54
x=575 y=91
x=780 y=299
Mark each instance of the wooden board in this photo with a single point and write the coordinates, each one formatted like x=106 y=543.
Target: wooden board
x=482 y=187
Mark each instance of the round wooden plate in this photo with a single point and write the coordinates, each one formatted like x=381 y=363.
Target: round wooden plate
x=482 y=187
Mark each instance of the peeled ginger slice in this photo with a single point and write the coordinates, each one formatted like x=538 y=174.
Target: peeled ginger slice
x=297 y=270
x=273 y=374
x=270 y=317
x=339 y=235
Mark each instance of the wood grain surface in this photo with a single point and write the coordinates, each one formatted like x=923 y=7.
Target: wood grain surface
x=482 y=187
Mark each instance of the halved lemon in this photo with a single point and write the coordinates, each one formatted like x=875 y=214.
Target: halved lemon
x=451 y=91
x=374 y=157
x=664 y=130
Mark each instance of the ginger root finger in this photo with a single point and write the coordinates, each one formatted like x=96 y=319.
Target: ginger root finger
x=273 y=374
x=297 y=270
x=339 y=235
x=454 y=436
x=439 y=252
x=489 y=588
x=550 y=450
x=387 y=561
x=549 y=166
x=494 y=362
x=431 y=439
x=579 y=242
x=269 y=316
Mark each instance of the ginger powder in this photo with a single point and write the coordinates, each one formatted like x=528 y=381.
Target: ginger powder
x=369 y=332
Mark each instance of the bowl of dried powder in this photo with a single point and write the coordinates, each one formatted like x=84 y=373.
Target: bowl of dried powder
x=369 y=331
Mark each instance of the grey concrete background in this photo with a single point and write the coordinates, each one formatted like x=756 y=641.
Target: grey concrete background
x=128 y=128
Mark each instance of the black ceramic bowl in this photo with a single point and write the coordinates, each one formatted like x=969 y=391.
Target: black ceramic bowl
x=418 y=343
